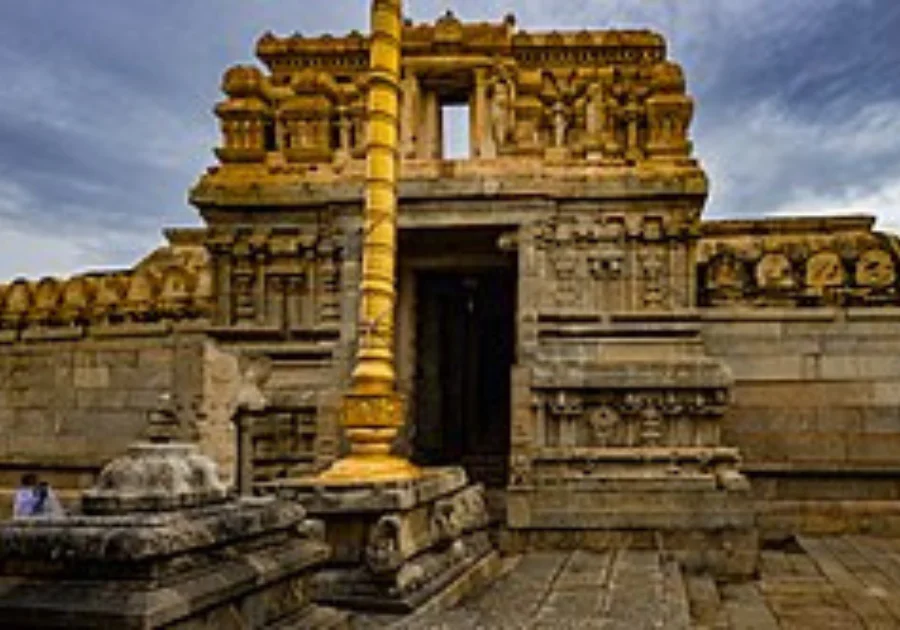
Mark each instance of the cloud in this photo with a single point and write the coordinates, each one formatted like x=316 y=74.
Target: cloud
x=883 y=202
x=768 y=159
x=105 y=116
x=33 y=247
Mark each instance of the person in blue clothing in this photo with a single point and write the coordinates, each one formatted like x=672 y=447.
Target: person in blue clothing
x=25 y=497
x=45 y=502
x=35 y=498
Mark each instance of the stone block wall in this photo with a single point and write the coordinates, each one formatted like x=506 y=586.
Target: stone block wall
x=816 y=412
x=72 y=399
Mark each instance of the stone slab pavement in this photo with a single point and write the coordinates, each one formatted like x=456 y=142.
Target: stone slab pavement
x=839 y=583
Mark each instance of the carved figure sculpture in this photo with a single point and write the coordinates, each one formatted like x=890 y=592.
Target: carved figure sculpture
x=501 y=113
x=560 y=125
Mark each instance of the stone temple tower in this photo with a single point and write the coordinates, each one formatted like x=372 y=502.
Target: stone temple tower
x=547 y=330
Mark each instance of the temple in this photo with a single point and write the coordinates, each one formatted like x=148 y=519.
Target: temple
x=567 y=328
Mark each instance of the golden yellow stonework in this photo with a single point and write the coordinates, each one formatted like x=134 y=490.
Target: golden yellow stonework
x=373 y=412
x=173 y=283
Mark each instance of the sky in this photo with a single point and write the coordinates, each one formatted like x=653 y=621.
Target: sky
x=106 y=122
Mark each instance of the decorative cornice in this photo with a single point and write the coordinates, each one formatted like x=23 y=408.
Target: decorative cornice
x=171 y=284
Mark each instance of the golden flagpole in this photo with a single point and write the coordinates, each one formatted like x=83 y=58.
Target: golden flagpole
x=373 y=412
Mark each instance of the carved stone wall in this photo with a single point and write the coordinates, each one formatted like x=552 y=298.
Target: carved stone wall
x=798 y=262
x=171 y=284
x=281 y=279
x=597 y=262
x=84 y=359
x=607 y=97
x=278 y=294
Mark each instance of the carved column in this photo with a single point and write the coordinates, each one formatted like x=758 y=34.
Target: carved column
x=483 y=145
x=373 y=412
x=430 y=127
x=409 y=123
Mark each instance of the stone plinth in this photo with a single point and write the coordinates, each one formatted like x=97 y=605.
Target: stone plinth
x=630 y=453
x=691 y=502
x=397 y=545
x=204 y=567
x=161 y=544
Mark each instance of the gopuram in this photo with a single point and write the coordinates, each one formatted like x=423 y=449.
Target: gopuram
x=543 y=336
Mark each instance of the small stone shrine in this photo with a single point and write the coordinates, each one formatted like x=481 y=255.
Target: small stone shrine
x=160 y=543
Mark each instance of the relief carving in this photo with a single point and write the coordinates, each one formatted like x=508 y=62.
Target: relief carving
x=602 y=422
x=775 y=272
x=608 y=96
x=601 y=262
x=634 y=419
x=797 y=262
x=384 y=552
x=824 y=271
x=655 y=282
x=502 y=116
x=875 y=268
x=520 y=471
x=283 y=278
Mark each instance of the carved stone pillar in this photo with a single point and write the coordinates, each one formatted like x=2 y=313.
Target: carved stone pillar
x=483 y=145
x=430 y=143
x=409 y=119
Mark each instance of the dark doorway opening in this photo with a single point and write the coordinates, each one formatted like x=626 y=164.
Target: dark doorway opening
x=464 y=353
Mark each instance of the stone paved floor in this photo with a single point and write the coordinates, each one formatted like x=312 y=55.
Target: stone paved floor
x=818 y=583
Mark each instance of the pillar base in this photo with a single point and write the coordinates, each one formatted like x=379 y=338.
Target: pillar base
x=398 y=544
x=371 y=468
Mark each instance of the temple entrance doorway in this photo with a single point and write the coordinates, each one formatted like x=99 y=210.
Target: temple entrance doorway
x=461 y=347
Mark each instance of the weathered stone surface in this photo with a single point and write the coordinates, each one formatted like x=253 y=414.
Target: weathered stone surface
x=161 y=545
x=399 y=544
x=631 y=317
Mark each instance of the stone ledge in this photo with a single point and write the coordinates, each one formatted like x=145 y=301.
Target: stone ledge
x=781 y=519
x=677 y=373
x=323 y=498
x=155 y=329
x=62 y=333
x=810 y=468
x=704 y=514
x=137 y=537
x=135 y=603
x=640 y=455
